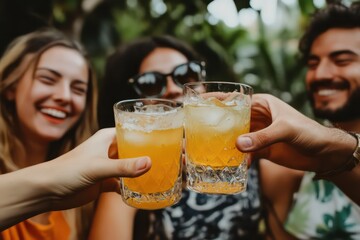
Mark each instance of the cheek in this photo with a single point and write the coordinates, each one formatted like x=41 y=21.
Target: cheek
x=354 y=79
x=351 y=71
x=308 y=77
x=34 y=92
x=79 y=105
x=39 y=92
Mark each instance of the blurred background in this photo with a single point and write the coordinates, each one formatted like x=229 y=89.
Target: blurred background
x=249 y=41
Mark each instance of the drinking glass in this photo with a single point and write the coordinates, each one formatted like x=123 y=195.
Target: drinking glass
x=154 y=128
x=216 y=113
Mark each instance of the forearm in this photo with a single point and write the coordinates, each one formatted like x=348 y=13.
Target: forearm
x=22 y=197
x=71 y=180
x=344 y=145
x=324 y=150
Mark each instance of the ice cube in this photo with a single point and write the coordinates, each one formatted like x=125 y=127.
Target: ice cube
x=212 y=116
x=216 y=102
x=227 y=122
x=136 y=137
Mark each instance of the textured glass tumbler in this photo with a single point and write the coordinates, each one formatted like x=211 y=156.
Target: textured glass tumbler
x=216 y=113
x=154 y=128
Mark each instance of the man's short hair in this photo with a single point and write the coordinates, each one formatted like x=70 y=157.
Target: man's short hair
x=334 y=15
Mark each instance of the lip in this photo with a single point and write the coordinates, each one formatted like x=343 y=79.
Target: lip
x=54 y=115
x=328 y=88
x=329 y=84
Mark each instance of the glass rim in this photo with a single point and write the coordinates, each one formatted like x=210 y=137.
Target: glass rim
x=217 y=82
x=246 y=86
x=173 y=103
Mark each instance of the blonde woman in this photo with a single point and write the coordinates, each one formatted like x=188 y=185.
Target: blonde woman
x=48 y=106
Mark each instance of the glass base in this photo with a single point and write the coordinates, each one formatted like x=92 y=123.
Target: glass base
x=150 y=201
x=227 y=180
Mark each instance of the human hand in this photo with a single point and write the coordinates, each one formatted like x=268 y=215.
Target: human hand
x=287 y=137
x=79 y=176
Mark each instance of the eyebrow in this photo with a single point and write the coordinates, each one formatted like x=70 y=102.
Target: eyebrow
x=59 y=74
x=340 y=52
x=333 y=54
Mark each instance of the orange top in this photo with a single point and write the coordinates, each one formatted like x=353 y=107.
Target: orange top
x=57 y=229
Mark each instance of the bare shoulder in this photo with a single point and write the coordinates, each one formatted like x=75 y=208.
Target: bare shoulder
x=113 y=202
x=276 y=171
x=113 y=219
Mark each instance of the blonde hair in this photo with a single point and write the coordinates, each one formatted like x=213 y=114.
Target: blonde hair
x=22 y=53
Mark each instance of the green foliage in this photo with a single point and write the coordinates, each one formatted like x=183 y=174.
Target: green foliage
x=265 y=60
x=306 y=7
x=263 y=56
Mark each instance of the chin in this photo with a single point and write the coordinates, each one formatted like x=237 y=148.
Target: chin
x=52 y=136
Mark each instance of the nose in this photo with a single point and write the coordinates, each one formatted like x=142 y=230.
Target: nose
x=172 y=90
x=62 y=92
x=323 y=71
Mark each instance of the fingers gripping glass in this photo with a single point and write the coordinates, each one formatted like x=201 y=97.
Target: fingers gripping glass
x=153 y=84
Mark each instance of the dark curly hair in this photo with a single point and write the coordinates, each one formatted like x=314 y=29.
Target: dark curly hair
x=334 y=15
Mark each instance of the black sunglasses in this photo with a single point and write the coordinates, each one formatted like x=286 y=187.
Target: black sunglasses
x=153 y=84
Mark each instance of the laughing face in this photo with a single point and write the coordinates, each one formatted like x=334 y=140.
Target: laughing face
x=333 y=77
x=50 y=97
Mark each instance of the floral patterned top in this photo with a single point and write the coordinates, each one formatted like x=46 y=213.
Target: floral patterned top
x=202 y=216
x=322 y=211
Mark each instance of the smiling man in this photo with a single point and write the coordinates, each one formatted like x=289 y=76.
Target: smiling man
x=331 y=50
x=301 y=206
x=333 y=76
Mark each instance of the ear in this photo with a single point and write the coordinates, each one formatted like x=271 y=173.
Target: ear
x=10 y=94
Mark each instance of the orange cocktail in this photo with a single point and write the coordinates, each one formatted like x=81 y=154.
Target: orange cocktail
x=159 y=136
x=212 y=124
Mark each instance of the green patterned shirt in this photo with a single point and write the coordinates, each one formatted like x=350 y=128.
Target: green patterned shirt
x=322 y=211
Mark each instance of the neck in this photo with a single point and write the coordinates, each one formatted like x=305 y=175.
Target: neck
x=351 y=126
x=35 y=152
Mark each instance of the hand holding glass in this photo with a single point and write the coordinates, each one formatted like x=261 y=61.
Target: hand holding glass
x=154 y=128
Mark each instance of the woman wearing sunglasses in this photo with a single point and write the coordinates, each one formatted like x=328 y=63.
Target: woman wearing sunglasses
x=130 y=74
x=158 y=67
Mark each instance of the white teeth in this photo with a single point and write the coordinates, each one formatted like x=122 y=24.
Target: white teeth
x=53 y=112
x=327 y=92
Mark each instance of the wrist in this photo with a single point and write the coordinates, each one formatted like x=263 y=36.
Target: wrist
x=37 y=187
x=347 y=158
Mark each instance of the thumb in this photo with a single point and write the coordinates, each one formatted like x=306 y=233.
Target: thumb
x=258 y=140
x=131 y=167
